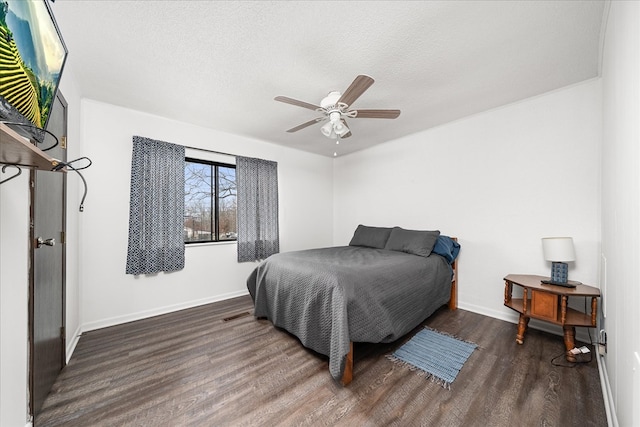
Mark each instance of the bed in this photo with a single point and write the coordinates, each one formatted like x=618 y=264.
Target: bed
x=376 y=289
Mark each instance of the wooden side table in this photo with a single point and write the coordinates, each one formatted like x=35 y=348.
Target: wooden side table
x=550 y=303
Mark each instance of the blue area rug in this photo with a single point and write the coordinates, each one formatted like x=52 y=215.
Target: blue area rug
x=439 y=356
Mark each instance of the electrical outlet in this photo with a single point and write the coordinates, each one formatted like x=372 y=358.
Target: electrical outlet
x=602 y=342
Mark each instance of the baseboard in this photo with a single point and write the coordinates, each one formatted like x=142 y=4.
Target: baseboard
x=609 y=406
x=508 y=315
x=118 y=320
x=71 y=346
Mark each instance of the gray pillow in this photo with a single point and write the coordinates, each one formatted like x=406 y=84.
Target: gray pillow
x=412 y=241
x=370 y=237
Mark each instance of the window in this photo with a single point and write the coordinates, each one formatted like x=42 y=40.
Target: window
x=209 y=201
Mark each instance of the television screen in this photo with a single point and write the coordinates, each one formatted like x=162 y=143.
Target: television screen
x=32 y=56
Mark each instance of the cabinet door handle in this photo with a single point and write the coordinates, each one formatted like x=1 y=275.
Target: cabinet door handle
x=48 y=242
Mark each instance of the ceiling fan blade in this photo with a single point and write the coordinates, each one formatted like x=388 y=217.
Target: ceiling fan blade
x=377 y=114
x=296 y=102
x=306 y=124
x=357 y=88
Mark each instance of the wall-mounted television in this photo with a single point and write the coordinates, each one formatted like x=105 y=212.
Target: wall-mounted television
x=32 y=57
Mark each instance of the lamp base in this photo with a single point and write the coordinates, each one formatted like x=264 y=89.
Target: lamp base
x=565 y=284
x=559 y=275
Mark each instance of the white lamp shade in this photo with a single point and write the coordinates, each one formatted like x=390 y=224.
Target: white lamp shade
x=558 y=249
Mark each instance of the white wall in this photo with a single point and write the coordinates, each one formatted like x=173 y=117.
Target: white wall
x=109 y=296
x=621 y=207
x=499 y=181
x=14 y=293
x=75 y=189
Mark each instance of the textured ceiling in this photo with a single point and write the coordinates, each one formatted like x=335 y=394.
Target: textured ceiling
x=219 y=64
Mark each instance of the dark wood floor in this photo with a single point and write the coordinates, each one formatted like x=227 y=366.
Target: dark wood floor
x=193 y=368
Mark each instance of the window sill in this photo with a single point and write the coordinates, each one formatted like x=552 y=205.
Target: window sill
x=197 y=245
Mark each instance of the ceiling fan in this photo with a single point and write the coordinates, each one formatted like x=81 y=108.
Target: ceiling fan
x=335 y=108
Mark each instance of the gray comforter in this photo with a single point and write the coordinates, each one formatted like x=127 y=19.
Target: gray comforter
x=330 y=297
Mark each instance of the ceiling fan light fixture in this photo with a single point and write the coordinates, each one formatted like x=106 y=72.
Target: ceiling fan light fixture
x=335 y=128
x=340 y=129
x=327 y=130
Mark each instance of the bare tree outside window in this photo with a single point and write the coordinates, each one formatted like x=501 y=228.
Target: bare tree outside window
x=227 y=206
x=210 y=201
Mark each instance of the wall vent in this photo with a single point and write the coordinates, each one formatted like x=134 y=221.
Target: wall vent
x=236 y=316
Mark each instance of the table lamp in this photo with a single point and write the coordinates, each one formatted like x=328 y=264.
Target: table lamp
x=558 y=250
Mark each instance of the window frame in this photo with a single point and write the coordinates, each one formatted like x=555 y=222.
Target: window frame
x=215 y=203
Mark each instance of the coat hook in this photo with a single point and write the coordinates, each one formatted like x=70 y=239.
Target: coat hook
x=11 y=177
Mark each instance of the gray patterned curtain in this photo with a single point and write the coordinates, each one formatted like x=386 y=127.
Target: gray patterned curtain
x=156 y=209
x=257 y=183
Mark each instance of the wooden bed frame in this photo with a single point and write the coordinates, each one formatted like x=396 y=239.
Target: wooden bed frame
x=347 y=376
